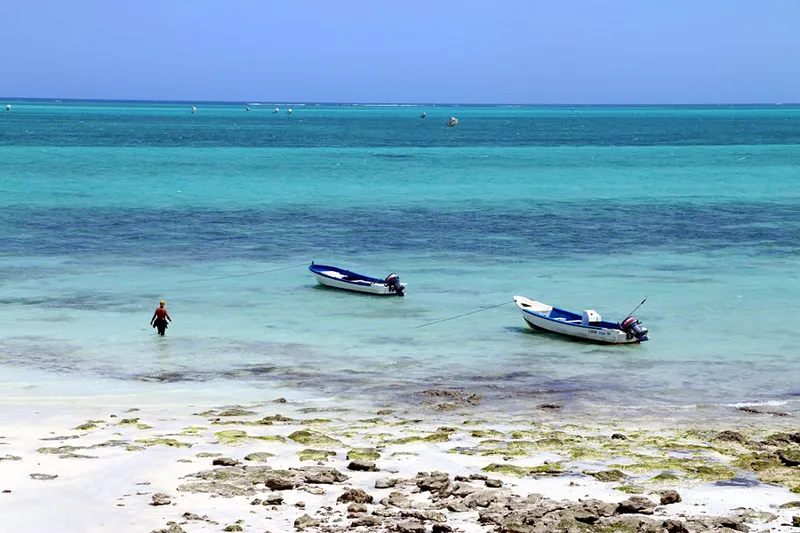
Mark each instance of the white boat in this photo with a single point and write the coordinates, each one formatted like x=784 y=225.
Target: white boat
x=587 y=325
x=339 y=278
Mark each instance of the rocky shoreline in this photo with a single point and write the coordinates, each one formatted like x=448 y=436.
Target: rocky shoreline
x=282 y=466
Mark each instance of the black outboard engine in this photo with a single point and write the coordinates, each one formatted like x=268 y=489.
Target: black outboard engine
x=393 y=282
x=631 y=326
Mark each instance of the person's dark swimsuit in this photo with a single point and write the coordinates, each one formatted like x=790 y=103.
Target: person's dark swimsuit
x=161 y=324
x=160 y=321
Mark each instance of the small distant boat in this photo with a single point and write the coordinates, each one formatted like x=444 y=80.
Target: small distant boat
x=340 y=278
x=247 y=108
x=452 y=122
x=194 y=109
x=8 y=107
x=288 y=111
x=423 y=115
x=277 y=110
x=587 y=325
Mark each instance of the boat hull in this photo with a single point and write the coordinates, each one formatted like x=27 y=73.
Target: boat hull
x=350 y=281
x=538 y=316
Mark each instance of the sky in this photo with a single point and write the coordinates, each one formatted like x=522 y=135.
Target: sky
x=423 y=51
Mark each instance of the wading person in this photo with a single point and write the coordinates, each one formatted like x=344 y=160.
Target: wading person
x=160 y=318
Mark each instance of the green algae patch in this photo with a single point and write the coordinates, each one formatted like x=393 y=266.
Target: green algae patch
x=521 y=445
x=315 y=421
x=573 y=525
x=380 y=437
x=525 y=434
x=692 y=467
x=273 y=419
x=550 y=443
x=128 y=422
x=237 y=437
x=307 y=410
x=584 y=452
x=205 y=455
x=373 y=421
x=76 y=456
x=236 y=411
x=258 y=457
x=487 y=434
x=406 y=422
x=60 y=450
x=234 y=422
x=710 y=473
x=769 y=469
x=470 y=422
x=664 y=477
x=134 y=448
x=404 y=454
x=192 y=431
x=791 y=454
x=525 y=471
x=163 y=441
x=363 y=454
x=608 y=476
x=630 y=489
x=463 y=451
x=315 y=455
x=504 y=452
x=404 y=440
x=89 y=425
x=438 y=436
x=313 y=438
x=491 y=443
x=110 y=444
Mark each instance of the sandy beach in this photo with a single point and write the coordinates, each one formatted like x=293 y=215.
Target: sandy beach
x=115 y=463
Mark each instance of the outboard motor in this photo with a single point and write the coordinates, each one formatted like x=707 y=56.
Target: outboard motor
x=631 y=326
x=393 y=282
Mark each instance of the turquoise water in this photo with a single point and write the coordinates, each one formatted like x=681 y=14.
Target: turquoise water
x=105 y=208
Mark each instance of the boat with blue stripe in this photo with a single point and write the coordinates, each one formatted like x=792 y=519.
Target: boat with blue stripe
x=586 y=326
x=340 y=278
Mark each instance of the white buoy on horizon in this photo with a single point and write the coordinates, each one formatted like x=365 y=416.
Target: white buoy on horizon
x=288 y=111
x=194 y=109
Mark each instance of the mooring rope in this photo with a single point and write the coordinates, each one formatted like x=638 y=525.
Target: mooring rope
x=243 y=275
x=463 y=314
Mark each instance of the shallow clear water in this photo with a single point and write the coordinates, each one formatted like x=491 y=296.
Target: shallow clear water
x=107 y=208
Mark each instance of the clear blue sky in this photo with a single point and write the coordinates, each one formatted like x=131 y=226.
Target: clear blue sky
x=460 y=51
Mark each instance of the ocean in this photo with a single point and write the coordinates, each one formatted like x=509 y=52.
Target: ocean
x=108 y=207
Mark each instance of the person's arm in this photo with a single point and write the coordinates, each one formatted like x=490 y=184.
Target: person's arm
x=167 y=313
x=154 y=317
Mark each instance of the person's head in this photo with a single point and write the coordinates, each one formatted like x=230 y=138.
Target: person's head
x=162 y=303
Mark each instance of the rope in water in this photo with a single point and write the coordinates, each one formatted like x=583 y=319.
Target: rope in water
x=463 y=314
x=243 y=275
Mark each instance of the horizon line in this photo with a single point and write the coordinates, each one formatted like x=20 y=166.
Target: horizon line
x=6 y=99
